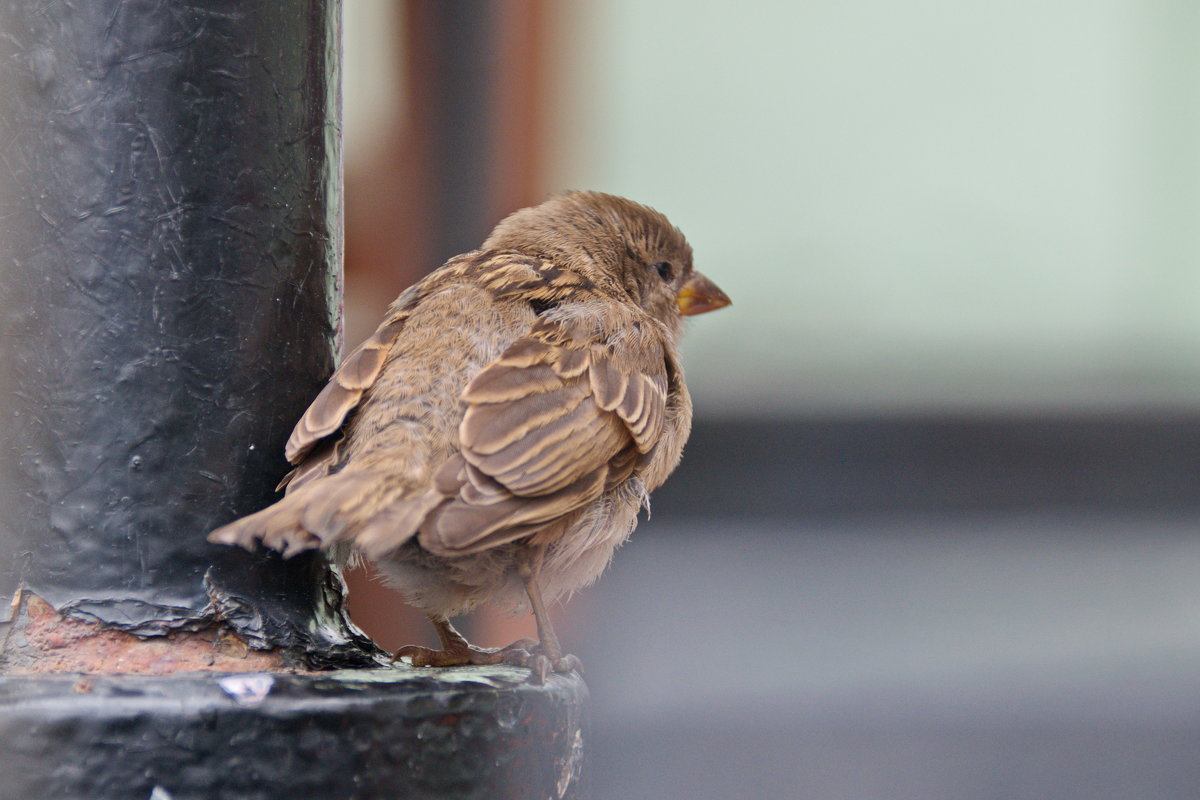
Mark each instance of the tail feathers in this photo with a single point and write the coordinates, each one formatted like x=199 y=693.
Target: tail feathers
x=277 y=527
x=394 y=526
x=350 y=507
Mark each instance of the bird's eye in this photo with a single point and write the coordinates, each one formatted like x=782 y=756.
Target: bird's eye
x=665 y=270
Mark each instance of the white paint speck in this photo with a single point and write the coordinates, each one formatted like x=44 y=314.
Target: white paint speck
x=246 y=690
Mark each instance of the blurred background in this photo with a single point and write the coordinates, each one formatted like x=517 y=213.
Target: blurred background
x=935 y=534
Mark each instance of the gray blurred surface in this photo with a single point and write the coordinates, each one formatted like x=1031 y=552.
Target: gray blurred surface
x=966 y=656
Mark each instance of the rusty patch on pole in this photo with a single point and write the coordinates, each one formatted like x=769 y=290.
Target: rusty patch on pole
x=40 y=640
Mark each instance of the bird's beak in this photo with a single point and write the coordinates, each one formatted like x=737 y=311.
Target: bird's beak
x=699 y=295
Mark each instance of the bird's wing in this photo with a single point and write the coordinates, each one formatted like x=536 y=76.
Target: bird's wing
x=567 y=412
x=311 y=447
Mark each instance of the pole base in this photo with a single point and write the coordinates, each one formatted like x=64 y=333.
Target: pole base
x=400 y=732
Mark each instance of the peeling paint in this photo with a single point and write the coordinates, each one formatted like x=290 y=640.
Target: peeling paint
x=43 y=641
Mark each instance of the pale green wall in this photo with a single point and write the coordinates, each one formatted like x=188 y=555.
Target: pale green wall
x=913 y=204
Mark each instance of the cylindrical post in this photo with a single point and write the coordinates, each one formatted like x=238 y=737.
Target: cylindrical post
x=170 y=243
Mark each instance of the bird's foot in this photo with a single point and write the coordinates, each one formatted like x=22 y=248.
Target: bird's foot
x=543 y=660
x=542 y=665
x=461 y=654
x=521 y=653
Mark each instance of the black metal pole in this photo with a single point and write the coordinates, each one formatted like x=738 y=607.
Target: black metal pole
x=170 y=254
x=170 y=242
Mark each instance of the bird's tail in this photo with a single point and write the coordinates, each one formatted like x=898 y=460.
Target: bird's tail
x=355 y=507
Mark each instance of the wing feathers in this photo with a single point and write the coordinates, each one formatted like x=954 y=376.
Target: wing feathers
x=460 y=528
x=345 y=388
x=505 y=382
x=492 y=427
x=570 y=363
x=608 y=383
x=549 y=427
x=643 y=409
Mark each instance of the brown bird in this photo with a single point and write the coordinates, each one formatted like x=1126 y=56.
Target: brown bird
x=495 y=438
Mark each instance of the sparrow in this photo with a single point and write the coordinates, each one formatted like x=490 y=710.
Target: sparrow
x=496 y=437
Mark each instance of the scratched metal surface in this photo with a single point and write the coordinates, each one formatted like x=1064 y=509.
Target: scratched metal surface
x=170 y=255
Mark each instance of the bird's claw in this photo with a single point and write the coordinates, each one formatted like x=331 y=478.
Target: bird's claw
x=569 y=663
x=427 y=657
x=461 y=655
x=521 y=653
x=542 y=665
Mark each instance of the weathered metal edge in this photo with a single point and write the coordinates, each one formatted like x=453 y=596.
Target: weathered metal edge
x=391 y=732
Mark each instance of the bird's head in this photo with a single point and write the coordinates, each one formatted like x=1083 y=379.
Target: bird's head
x=617 y=244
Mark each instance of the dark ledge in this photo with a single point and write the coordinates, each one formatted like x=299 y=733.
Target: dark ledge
x=392 y=732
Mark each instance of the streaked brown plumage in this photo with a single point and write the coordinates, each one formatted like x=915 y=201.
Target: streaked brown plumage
x=498 y=433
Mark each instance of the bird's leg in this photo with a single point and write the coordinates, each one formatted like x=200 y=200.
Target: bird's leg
x=457 y=651
x=543 y=657
x=550 y=655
